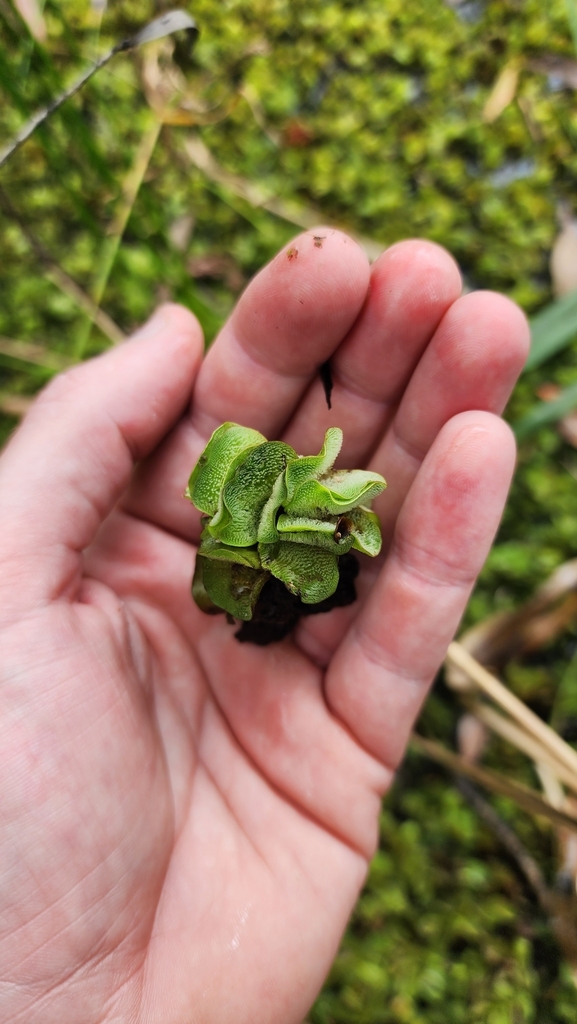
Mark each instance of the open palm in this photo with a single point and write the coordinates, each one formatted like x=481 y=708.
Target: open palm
x=186 y=821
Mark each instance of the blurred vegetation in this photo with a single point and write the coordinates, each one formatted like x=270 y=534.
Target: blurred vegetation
x=374 y=115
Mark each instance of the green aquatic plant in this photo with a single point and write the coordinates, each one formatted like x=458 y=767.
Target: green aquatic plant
x=270 y=512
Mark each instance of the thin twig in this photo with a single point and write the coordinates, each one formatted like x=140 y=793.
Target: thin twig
x=38 y=355
x=103 y=321
x=509 y=840
x=173 y=21
x=560 y=908
x=42 y=115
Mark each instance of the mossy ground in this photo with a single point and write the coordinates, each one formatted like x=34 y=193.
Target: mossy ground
x=372 y=114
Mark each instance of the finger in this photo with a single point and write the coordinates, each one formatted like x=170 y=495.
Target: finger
x=472 y=362
x=73 y=455
x=380 y=674
x=289 y=320
x=412 y=285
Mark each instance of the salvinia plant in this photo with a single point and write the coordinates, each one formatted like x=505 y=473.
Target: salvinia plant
x=270 y=512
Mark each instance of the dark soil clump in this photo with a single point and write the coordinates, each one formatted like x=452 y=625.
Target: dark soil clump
x=277 y=611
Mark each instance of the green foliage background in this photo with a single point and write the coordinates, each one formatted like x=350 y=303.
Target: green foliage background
x=371 y=113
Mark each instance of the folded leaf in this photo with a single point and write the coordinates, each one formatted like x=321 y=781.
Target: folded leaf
x=267 y=530
x=311 y=467
x=234 y=588
x=335 y=493
x=224 y=451
x=365 y=530
x=295 y=524
x=219 y=552
x=310 y=573
x=247 y=491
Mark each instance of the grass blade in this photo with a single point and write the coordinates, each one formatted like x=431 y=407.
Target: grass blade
x=130 y=190
x=552 y=329
x=546 y=412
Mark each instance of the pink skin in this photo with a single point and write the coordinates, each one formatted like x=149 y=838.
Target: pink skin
x=186 y=822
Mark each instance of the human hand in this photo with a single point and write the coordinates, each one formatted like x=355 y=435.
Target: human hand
x=186 y=822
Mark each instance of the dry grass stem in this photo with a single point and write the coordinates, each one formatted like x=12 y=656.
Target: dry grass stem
x=522 y=741
x=14 y=405
x=302 y=216
x=130 y=189
x=526 y=798
x=503 y=636
x=527 y=719
x=39 y=355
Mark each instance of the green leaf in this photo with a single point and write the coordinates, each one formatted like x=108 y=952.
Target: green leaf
x=546 y=412
x=247 y=492
x=228 y=444
x=366 y=531
x=311 y=467
x=219 y=552
x=552 y=330
x=234 y=588
x=267 y=531
x=317 y=533
x=337 y=493
x=294 y=524
x=243 y=481
x=310 y=573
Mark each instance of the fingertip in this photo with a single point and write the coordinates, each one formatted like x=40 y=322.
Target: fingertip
x=475 y=452
x=177 y=325
x=417 y=259
x=514 y=324
x=489 y=328
x=305 y=301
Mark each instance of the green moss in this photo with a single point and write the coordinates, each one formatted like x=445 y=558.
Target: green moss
x=374 y=114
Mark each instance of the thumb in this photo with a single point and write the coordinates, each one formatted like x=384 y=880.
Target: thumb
x=73 y=455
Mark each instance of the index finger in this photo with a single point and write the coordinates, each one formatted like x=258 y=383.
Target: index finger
x=290 y=319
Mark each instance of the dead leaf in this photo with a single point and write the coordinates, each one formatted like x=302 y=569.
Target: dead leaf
x=503 y=636
x=180 y=231
x=14 y=405
x=472 y=737
x=533 y=127
x=165 y=25
x=502 y=93
x=297 y=134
